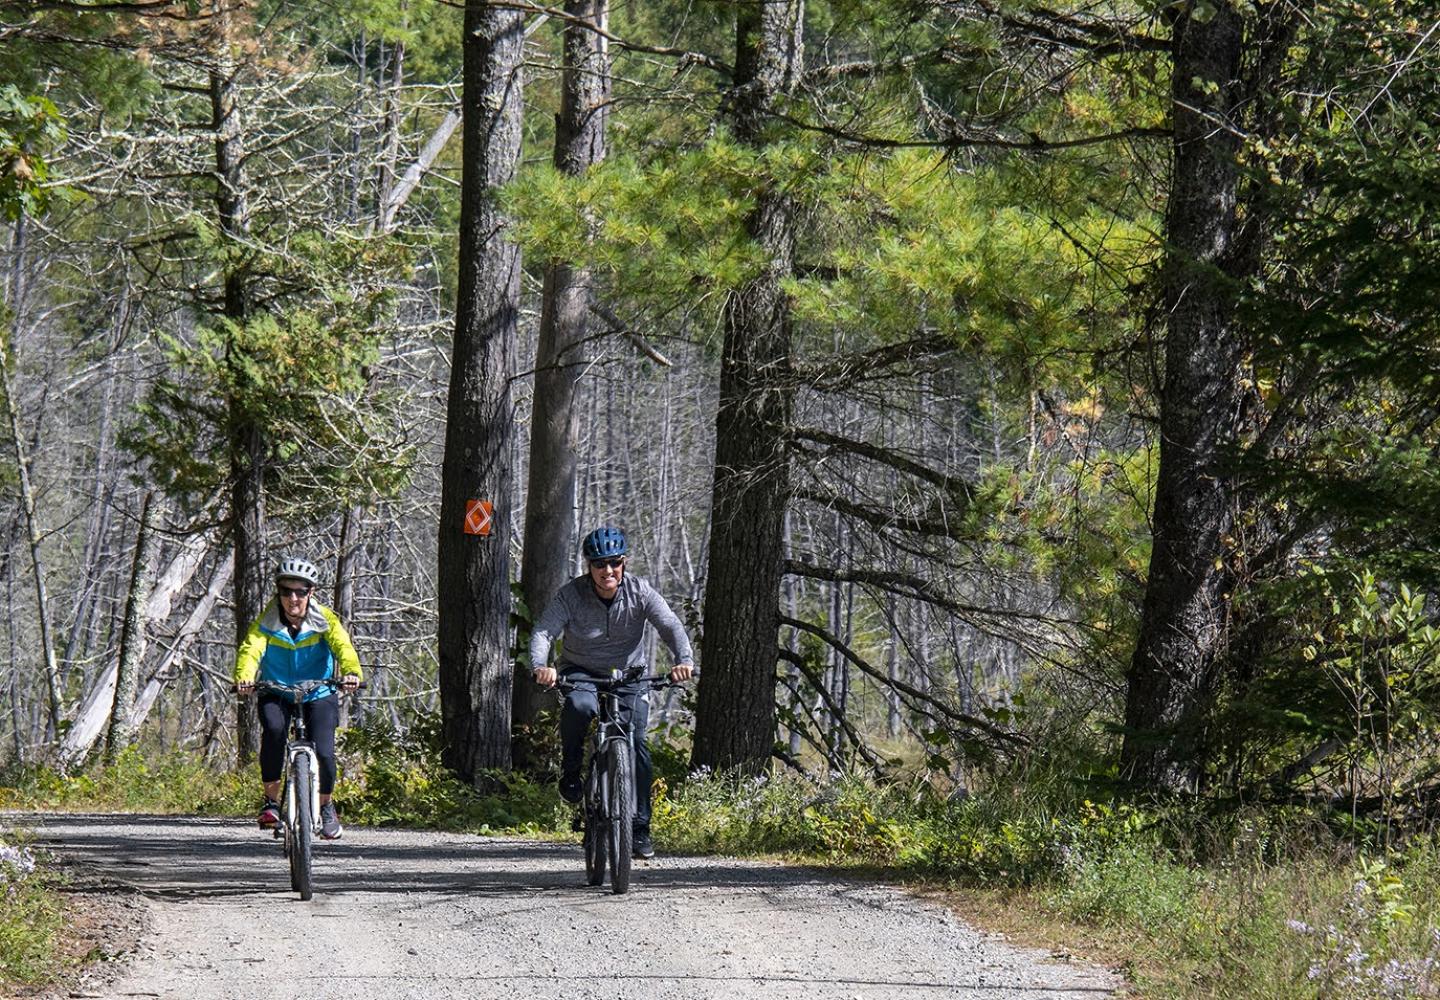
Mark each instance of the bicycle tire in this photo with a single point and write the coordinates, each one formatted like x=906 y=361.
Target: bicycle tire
x=621 y=778
x=304 y=834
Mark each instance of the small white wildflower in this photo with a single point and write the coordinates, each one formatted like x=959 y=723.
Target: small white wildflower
x=15 y=863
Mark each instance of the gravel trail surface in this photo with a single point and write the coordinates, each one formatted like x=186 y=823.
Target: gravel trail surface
x=406 y=914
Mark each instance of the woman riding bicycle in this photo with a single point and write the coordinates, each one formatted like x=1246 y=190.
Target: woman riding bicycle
x=295 y=640
x=601 y=618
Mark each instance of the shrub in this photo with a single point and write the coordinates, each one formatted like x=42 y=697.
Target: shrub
x=30 y=919
x=395 y=779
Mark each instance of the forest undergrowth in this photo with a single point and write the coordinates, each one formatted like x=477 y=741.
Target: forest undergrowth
x=1191 y=900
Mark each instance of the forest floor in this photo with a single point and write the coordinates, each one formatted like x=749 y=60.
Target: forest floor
x=410 y=914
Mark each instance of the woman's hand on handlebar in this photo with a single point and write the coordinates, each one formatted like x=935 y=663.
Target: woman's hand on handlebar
x=682 y=672
x=244 y=687
x=350 y=683
x=545 y=676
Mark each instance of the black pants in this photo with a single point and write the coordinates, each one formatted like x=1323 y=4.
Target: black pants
x=582 y=705
x=321 y=717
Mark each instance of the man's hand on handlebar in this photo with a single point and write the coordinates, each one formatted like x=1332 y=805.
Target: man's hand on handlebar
x=682 y=672
x=545 y=676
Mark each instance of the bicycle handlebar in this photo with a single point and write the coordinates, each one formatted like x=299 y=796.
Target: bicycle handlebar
x=611 y=683
x=298 y=690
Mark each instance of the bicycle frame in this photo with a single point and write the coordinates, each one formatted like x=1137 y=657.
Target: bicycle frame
x=607 y=823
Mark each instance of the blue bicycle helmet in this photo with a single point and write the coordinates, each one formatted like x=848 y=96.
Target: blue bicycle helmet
x=604 y=543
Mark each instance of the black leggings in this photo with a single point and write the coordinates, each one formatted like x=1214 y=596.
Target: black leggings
x=321 y=717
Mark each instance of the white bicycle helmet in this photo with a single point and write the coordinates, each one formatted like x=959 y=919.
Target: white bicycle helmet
x=295 y=568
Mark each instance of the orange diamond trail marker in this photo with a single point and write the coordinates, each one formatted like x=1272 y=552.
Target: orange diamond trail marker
x=478 y=514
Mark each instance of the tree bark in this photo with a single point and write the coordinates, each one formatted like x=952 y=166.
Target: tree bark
x=549 y=546
x=474 y=570
x=735 y=717
x=49 y=664
x=94 y=711
x=132 y=634
x=247 y=446
x=1186 y=615
x=194 y=622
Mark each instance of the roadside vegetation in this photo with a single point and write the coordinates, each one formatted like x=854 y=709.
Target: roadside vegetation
x=31 y=917
x=1191 y=901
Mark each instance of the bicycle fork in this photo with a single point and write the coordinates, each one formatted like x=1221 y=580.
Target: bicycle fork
x=302 y=755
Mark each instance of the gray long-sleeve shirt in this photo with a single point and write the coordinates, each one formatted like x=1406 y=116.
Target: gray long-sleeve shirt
x=599 y=638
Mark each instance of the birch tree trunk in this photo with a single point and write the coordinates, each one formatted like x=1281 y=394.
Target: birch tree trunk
x=735 y=717
x=474 y=570
x=549 y=545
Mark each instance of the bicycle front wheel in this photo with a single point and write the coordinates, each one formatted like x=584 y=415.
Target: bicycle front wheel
x=622 y=814
x=303 y=834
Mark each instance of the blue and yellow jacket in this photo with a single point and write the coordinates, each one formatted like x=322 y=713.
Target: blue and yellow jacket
x=270 y=653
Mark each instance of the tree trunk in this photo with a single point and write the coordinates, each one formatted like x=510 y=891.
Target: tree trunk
x=247 y=447
x=194 y=622
x=91 y=717
x=132 y=634
x=17 y=713
x=1186 y=614
x=32 y=529
x=549 y=546
x=474 y=570
x=735 y=717
x=390 y=148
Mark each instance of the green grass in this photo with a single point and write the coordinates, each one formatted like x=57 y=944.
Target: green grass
x=136 y=782
x=1248 y=907
x=32 y=919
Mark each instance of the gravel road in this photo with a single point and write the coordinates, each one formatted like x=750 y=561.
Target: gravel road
x=405 y=914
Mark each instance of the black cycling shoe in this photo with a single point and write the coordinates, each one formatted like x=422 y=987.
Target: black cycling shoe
x=571 y=787
x=640 y=847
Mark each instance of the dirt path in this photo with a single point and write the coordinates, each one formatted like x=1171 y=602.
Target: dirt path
x=402 y=914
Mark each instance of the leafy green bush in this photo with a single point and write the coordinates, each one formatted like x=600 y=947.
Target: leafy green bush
x=395 y=779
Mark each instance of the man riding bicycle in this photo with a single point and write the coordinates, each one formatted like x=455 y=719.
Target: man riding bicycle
x=600 y=618
x=295 y=640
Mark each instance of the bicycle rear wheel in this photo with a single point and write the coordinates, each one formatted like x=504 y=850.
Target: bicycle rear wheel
x=303 y=834
x=620 y=841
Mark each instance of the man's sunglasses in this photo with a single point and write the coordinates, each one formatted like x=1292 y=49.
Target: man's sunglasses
x=294 y=591
x=615 y=563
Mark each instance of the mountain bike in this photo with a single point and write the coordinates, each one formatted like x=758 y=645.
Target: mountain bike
x=300 y=789
x=608 y=804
